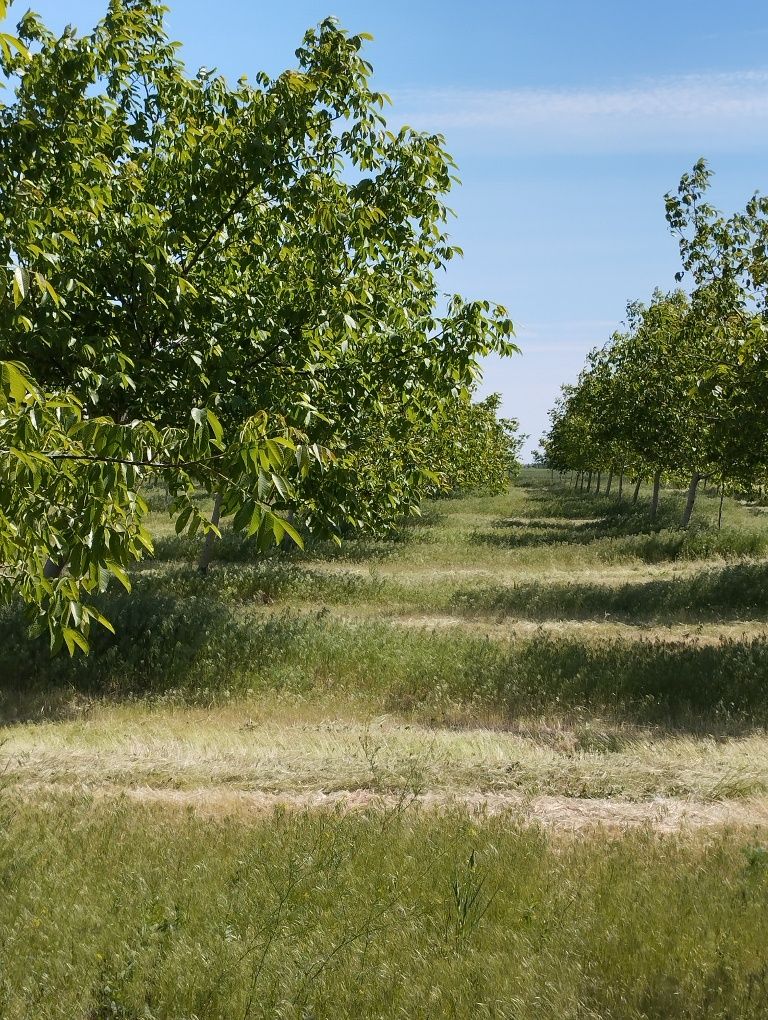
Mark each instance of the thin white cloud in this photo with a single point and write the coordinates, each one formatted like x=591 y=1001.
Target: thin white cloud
x=713 y=111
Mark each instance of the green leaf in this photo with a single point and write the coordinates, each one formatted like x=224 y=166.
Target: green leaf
x=73 y=638
x=94 y=614
x=20 y=285
x=11 y=41
x=292 y=533
x=16 y=383
x=183 y=519
x=119 y=573
x=215 y=424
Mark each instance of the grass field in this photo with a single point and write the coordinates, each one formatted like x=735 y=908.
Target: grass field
x=512 y=762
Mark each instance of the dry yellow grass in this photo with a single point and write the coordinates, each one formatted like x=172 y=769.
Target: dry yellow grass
x=294 y=749
x=563 y=815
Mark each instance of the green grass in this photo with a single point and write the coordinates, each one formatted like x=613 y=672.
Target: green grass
x=534 y=527
x=738 y=590
x=306 y=627
x=545 y=652
x=143 y=914
x=197 y=651
x=309 y=624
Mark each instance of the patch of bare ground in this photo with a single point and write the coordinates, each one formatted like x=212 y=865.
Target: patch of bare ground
x=509 y=629
x=562 y=814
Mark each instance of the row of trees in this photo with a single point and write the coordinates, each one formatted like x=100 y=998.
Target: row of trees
x=681 y=392
x=232 y=288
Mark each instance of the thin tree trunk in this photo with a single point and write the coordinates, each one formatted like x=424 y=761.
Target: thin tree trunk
x=597 y=486
x=720 y=514
x=206 y=555
x=589 y=482
x=621 y=482
x=655 y=496
x=637 y=489
x=609 y=483
x=695 y=479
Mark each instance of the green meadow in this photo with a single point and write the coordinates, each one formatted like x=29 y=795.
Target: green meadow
x=511 y=762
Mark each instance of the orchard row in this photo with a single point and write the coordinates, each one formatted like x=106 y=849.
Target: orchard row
x=682 y=392
x=226 y=289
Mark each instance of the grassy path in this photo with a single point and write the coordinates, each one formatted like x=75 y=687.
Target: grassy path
x=447 y=663
x=289 y=750
x=512 y=763
x=559 y=815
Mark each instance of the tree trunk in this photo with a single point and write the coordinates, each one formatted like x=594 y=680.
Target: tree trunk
x=597 y=485
x=589 y=482
x=206 y=554
x=695 y=479
x=609 y=483
x=655 y=496
x=621 y=482
x=637 y=489
x=720 y=513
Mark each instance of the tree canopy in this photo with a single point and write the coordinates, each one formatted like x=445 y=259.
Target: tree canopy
x=682 y=391
x=231 y=287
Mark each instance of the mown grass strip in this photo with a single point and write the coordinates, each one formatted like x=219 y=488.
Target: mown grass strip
x=282 y=746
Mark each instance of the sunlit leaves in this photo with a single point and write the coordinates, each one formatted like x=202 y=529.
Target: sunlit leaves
x=70 y=495
x=224 y=288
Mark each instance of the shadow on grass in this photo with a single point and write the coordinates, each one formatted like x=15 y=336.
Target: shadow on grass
x=235 y=547
x=656 y=547
x=200 y=650
x=738 y=590
x=627 y=521
x=190 y=648
x=618 y=530
x=545 y=501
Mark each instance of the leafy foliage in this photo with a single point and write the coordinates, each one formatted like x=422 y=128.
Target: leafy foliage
x=233 y=287
x=71 y=510
x=473 y=449
x=682 y=392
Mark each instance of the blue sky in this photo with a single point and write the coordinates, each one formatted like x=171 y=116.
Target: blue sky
x=569 y=120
